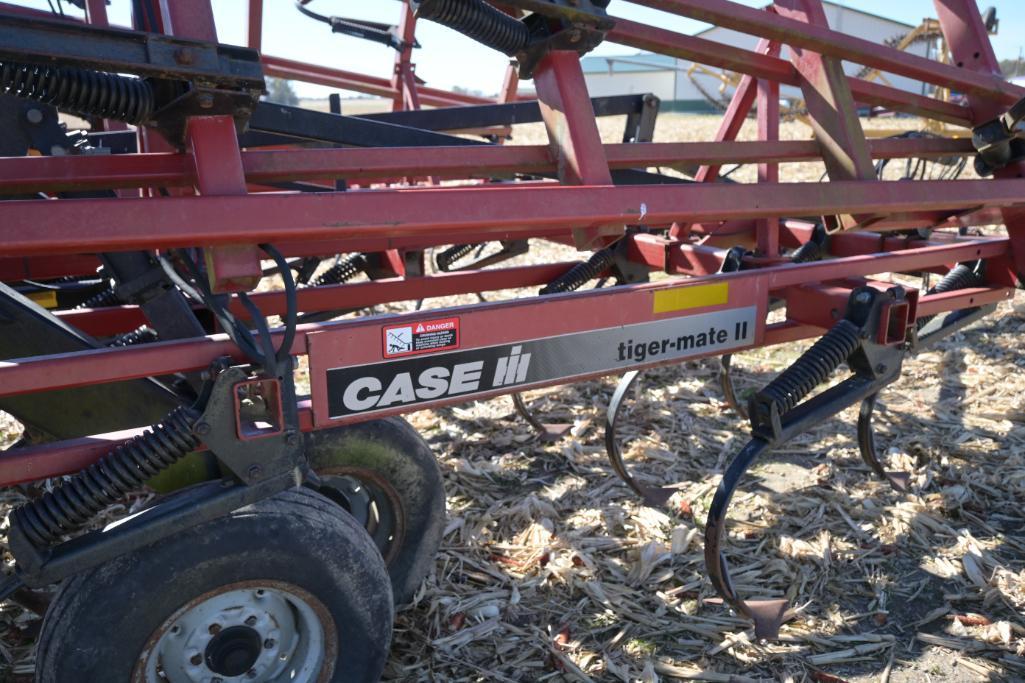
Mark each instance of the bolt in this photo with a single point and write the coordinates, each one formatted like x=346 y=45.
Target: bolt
x=575 y=36
x=863 y=297
x=292 y=439
x=251 y=673
x=34 y=115
x=255 y=471
x=206 y=101
x=184 y=55
x=269 y=644
x=880 y=368
x=250 y=621
x=196 y=660
x=214 y=629
x=202 y=428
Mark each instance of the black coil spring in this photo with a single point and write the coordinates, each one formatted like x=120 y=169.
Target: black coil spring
x=961 y=276
x=140 y=335
x=446 y=258
x=807 y=252
x=480 y=21
x=579 y=274
x=79 y=91
x=343 y=271
x=812 y=369
x=124 y=469
x=107 y=297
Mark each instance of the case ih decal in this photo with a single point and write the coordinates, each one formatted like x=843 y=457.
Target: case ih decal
x=368 y=388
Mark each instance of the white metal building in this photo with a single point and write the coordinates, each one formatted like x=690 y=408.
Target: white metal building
x=668 y=77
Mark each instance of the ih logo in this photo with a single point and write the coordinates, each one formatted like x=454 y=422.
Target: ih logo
x=512 y=369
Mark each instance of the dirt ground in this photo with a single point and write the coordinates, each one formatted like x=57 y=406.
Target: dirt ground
x=551 y=569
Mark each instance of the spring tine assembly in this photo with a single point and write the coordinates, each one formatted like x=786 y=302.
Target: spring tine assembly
x=871 y=339
x=653 y=496
x=929 y=331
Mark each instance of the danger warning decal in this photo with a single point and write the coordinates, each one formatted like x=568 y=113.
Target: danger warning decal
x=425 y=379
x=421 y=337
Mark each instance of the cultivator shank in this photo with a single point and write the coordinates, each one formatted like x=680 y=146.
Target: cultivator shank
x=153 y=259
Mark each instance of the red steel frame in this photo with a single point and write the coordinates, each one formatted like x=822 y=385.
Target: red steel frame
x=688 y=226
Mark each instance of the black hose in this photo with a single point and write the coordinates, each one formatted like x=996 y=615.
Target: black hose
x=480 y=21
x=84 y=92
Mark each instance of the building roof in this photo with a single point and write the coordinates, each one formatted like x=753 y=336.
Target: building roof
x=635 y=63
x=647 y=62
x=846 y=8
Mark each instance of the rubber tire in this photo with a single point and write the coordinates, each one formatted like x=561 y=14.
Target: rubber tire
x=396 y=452
x=99 y=621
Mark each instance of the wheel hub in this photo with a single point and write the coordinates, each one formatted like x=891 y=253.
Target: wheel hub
x=233 y=651
x=259 y=634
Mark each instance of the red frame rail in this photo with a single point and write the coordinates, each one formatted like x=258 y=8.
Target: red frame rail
x=679 y=230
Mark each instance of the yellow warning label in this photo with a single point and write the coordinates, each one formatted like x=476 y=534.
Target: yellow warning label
x=696 y=296
x=46 y=298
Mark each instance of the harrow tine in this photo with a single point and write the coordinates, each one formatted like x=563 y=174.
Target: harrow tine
x=546 y=432
x=729 y=392
x=653 y=496
x=779 y=413
x=767 y=615
x=867 y=445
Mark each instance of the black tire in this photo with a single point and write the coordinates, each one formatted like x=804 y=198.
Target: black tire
x=104 y=622
x=397 y=472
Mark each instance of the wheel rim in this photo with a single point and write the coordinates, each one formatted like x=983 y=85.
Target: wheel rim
x=259 y=632
x=371 y=500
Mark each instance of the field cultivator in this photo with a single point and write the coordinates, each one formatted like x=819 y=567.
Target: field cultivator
x=165 y=268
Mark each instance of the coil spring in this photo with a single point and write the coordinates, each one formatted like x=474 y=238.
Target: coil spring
x=107 y=297
x=480 y=21
x=343 y=271
x=961 y=276
x=812 y=369
x=125 y=468
x=576 y=276
x=446 y=258
x=80 y=91
x=807 y=252
x=140 y=335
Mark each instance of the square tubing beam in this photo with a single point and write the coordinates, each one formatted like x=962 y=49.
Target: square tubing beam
x=827 y=42
x=573 y=134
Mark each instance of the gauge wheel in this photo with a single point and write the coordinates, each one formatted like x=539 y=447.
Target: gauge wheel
x=385 y=475
x=287 y=589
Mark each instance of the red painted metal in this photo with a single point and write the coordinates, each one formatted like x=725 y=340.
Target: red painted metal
x=573 y=133
x=56 y=174
x=44 y=239
x=824 y=41
x=743 y=61
x=217 y=167
x=78 y=225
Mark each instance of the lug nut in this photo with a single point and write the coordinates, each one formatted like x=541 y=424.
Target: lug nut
x=250 y=621
x=214 y=629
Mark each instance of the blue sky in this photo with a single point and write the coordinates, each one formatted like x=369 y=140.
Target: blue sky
x=449 y=59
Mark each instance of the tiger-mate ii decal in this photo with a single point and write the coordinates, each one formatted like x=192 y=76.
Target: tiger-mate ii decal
x=423 y=379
